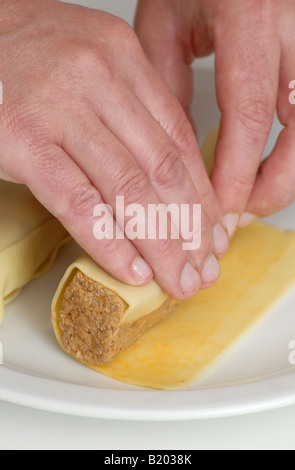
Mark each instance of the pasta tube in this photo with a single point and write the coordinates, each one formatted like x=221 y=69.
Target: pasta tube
x=95 y=316
x=29 y=240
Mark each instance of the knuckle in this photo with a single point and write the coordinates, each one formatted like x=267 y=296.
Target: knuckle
x=123 y=31
x=165 y=249
x=256 y=116
x=82 y=200
x=169 y=171
x=134 y=187
x=124 y=37
x=90 y=59
x=240 y=181
x=182 y=134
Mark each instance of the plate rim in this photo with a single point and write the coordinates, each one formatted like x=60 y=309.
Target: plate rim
x=56 y=396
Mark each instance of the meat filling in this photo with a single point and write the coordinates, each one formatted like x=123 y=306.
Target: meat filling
x=90 y=321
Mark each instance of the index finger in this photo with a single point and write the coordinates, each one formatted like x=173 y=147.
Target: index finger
x=169 y=114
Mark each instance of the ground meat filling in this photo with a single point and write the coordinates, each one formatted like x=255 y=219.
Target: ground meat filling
x=90 y=317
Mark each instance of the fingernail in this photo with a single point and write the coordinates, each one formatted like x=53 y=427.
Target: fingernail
x=141 y=270
x=211 y=270
x=231 y=222
x=190 y=280
x=247 y=219
x=221 y=240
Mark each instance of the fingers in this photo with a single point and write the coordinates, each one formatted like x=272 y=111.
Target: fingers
x=275 y=184
x=128 y=110
x=168 y=112
x=111 y=168
x=64 y=189
x=113 y=128
x=154 y=152
x=247 y=71
x=68 y=194
x=174 y=122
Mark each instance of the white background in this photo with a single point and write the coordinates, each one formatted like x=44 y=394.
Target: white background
x=25 y=428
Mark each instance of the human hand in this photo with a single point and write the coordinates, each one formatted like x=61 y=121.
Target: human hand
x=86 y=118
x=253 y=42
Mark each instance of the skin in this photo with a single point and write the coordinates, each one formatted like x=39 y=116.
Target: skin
x=86 y=117
x=255 y=63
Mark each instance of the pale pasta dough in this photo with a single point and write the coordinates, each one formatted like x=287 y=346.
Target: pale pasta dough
x=95 y=317
x=29 y=240
x=256 y=274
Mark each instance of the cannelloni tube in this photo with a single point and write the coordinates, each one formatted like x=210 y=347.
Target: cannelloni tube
x=95 y=316
x=30 y=238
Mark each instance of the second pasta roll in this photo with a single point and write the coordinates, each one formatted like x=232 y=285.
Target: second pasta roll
x=30 y=238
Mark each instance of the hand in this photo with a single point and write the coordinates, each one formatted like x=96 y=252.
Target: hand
x=255 y=63
x=86 y=118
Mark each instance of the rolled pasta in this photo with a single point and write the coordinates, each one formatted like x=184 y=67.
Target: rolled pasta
x=30 y=238
x=95 y=316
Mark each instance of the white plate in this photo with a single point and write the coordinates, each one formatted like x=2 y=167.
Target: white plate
x=256 y=375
